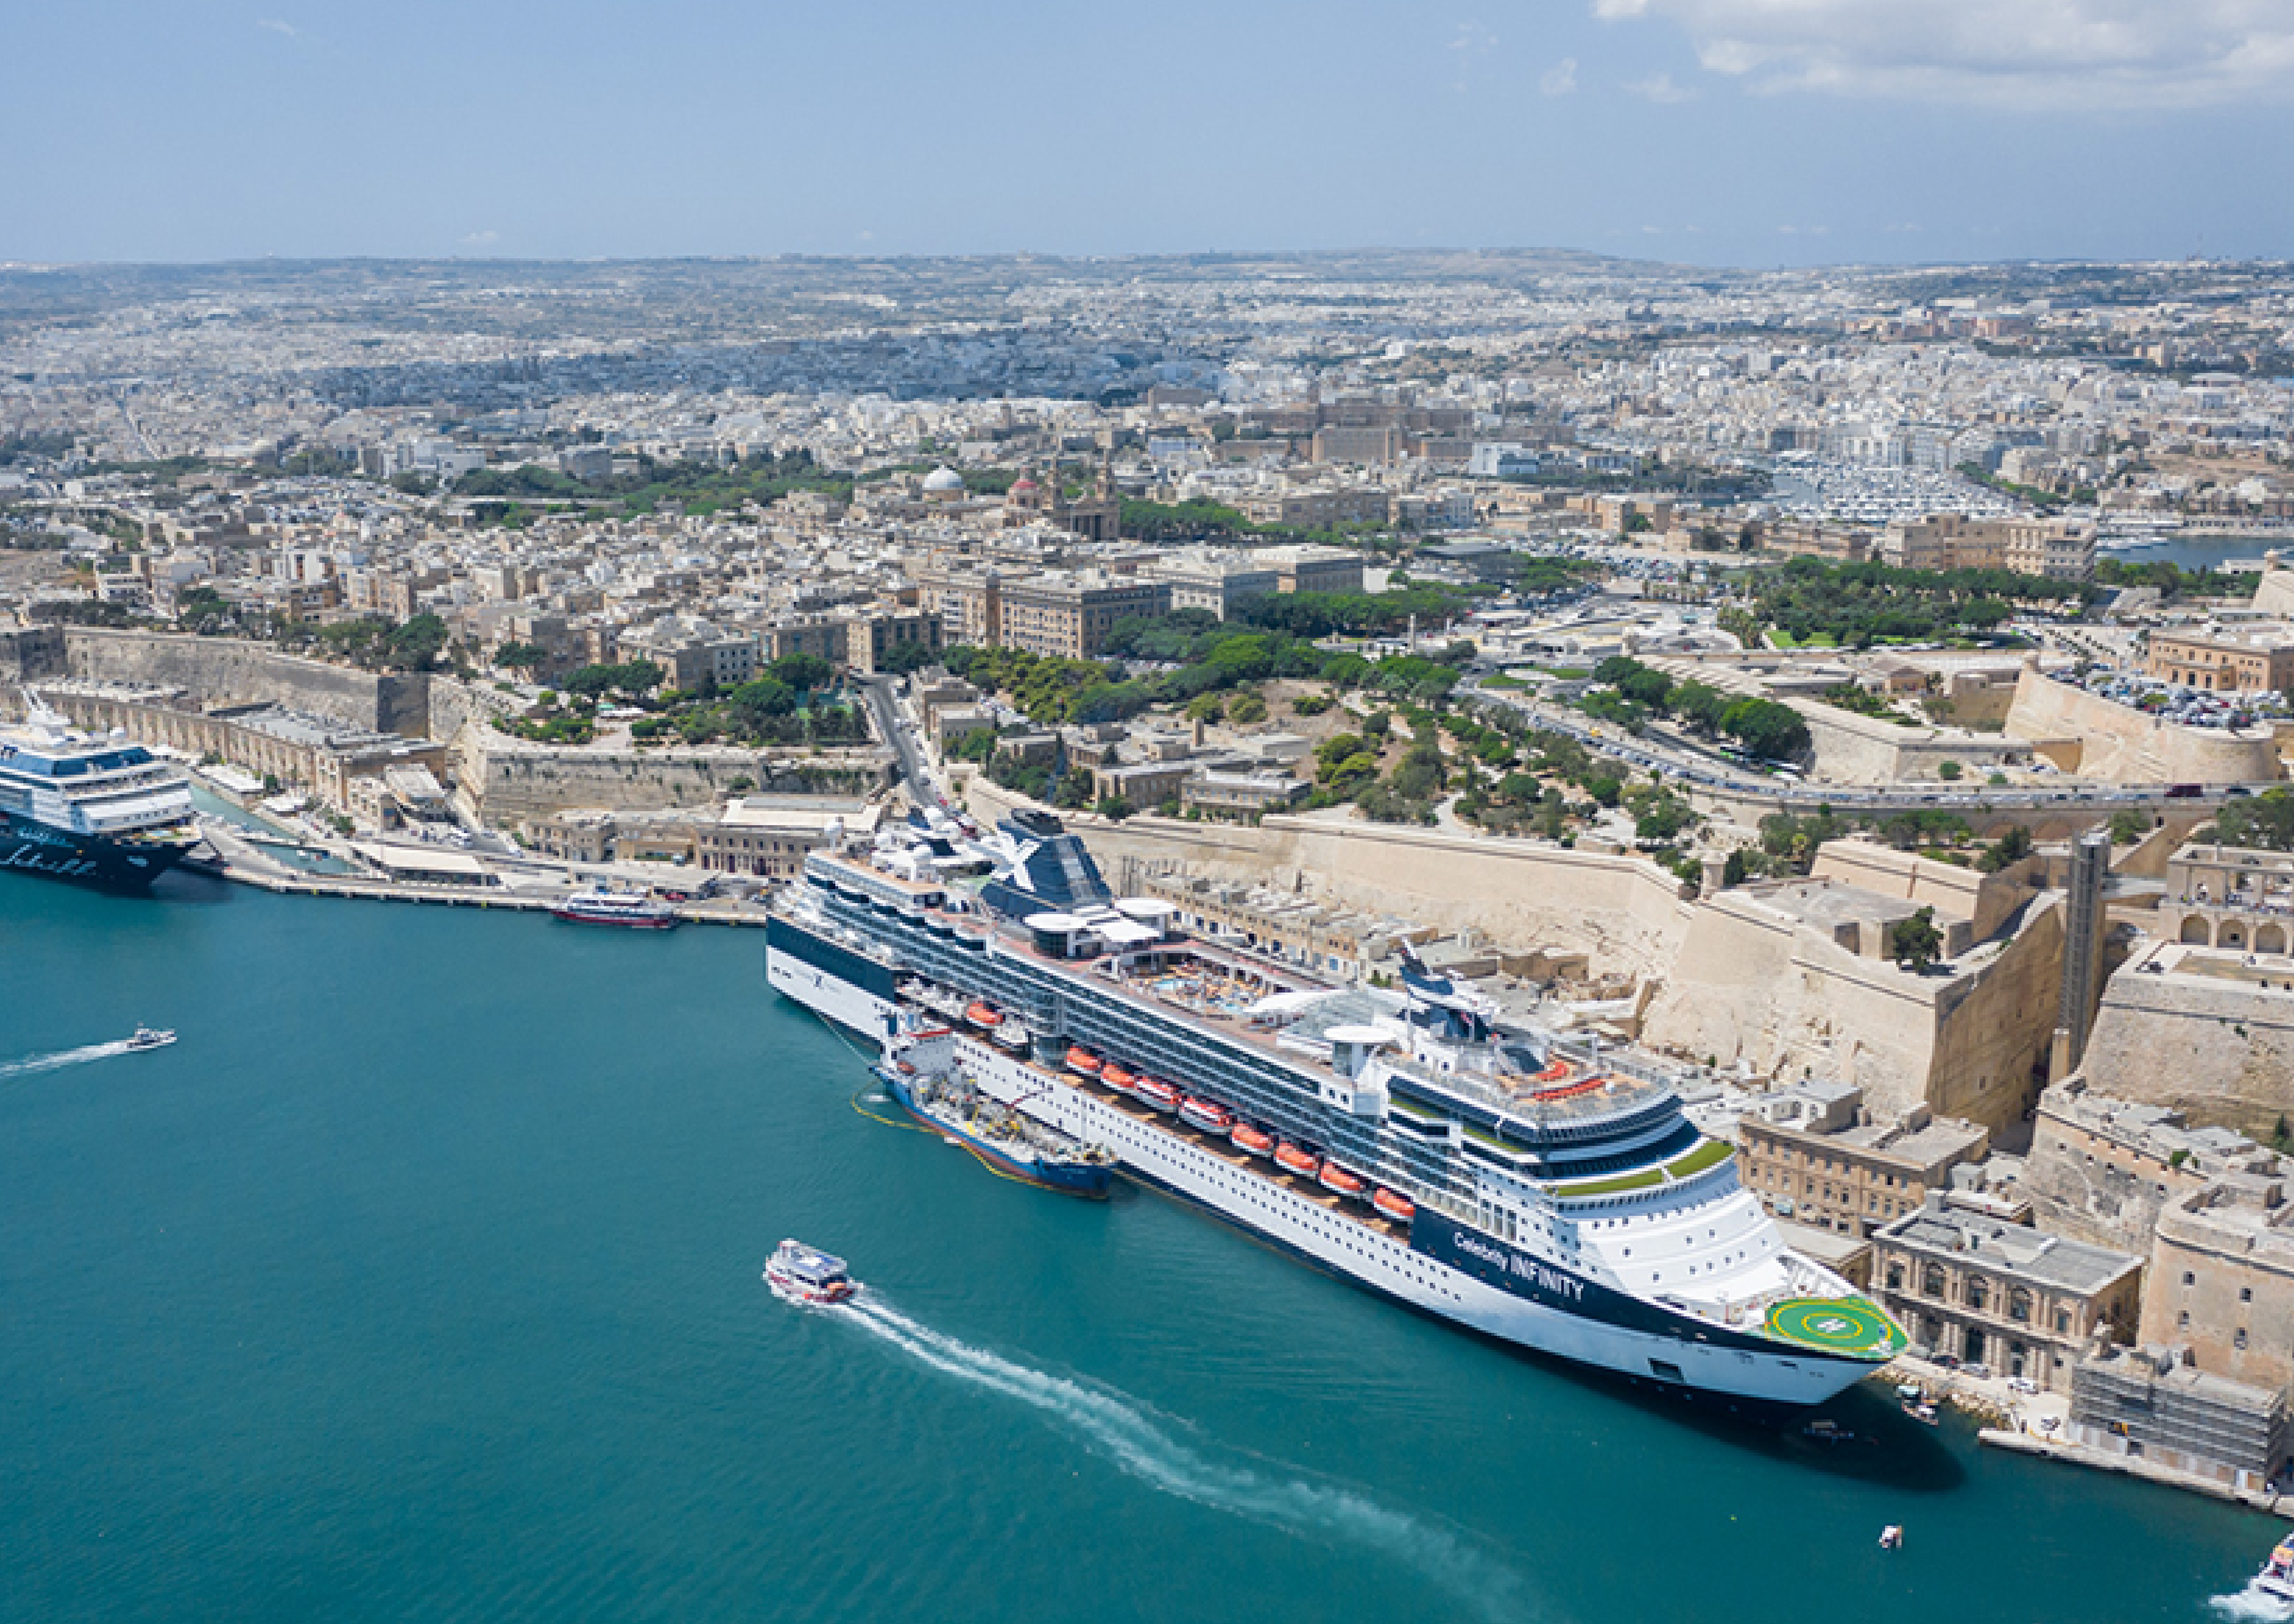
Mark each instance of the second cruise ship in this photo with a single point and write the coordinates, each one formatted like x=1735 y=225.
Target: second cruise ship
x=1404 y=1139
x=100 y=811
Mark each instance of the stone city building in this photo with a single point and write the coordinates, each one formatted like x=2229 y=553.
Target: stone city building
x=2001 y=1295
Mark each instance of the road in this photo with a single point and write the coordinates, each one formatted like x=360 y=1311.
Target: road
x=883 y=704
x=1694 y=772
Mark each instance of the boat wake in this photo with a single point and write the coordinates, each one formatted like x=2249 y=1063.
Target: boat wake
x=2253 y=1603
x=1125 y=1434
x=11 y=1070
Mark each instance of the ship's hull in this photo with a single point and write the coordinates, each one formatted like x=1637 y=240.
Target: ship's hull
x=1442 y=1268
x=627 y=922
x=1089 y=1180
x=28 y=848
x=834 y=982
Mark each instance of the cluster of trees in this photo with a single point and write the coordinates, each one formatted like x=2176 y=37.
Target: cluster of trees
x=1765 y=728
x=2266 y=820
x=379 y=643
x=2172 y=580
x=1049 y=690
x=632 y=680
x=1199 y=518
x=690 y=487
x=1857 y=604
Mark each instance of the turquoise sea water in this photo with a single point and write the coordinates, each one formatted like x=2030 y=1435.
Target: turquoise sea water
x=420 y=1280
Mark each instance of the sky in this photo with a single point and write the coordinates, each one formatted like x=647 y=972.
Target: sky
x=1747 y=133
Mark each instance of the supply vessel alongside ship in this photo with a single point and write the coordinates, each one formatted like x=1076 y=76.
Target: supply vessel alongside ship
x=98 y=811
x=924 y=1076
x=1407 y=1140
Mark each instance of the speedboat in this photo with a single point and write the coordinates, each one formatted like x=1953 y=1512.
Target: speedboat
x=2276 y=1579
x=806 y=1275
x=148 y=1038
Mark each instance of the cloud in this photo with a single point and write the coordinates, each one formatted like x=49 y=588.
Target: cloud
x=1659 y=88
x=1560 y=79
x=1469 y=45
x=277 y=26
x=479 y=239
x=2031 y=53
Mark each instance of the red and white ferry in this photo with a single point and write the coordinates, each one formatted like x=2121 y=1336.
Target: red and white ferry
x=616 y=908
x=806 y=1275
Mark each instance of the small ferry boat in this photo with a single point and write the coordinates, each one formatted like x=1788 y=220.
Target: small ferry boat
x=616 y=908
x=1257 y=1141
x=1891 y=1538
x=2276 y=1579
x=1337 y=1180
x=928 y=1088
x=148 y=1038
x=1163 y=1096
x=806 y=1275
x=1204 y=1114
x=1401 y=1208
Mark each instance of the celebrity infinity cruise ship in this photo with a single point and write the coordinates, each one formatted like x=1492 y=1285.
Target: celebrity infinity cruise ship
x=100 y=811
x=1404 y=1139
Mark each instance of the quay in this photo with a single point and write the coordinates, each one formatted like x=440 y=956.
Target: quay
x=2149 y=1470
x=242 y=863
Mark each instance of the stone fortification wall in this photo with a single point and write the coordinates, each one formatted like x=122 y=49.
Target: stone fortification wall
x=2220 y=1050
x=1986 y=901
x=1625 y=911
x=30 y=652
x=1752 y=984
x=214 y=672
x=2126 y=746
x=1863 y=750
x=505 y=781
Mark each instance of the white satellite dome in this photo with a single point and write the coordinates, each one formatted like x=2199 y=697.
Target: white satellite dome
x=942 y=480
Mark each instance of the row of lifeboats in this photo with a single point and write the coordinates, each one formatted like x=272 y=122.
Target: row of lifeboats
x=1211 y=1117
x=990 y=1020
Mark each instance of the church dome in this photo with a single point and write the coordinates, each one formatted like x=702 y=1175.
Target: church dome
x=943 y=481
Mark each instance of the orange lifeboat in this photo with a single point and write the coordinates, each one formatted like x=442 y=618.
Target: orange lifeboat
x=1116 y=1077
x=1292 y=1159
x=1158 y=1093
x=1083 y=1060
x=1553 y=1073
x=1258 y=1141
x=1393 y=1206
x=982 y=1015
x=1337 y=1180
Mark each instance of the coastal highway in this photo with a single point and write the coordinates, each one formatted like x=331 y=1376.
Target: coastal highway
x=1694 y=772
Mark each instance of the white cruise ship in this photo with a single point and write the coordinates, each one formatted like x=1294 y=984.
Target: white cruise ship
x=100 y=811
x=1401 y=1138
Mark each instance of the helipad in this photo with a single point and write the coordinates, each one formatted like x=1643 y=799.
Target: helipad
x=1838 y=1325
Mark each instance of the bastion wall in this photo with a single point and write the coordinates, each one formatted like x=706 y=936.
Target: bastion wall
x=2221 y=1050
x=225 y=671
x=2124 y=745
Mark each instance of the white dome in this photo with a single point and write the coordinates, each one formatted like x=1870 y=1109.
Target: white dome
x=943 y=479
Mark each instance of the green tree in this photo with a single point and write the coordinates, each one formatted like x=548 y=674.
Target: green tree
x=1915 y=943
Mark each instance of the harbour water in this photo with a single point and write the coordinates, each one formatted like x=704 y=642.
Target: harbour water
x=420 y=1280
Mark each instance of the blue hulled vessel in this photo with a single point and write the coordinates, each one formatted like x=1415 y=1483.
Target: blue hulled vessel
x=98 y=811
x=921 y=1073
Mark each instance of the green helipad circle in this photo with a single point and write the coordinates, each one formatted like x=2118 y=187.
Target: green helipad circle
x=1836 y=1324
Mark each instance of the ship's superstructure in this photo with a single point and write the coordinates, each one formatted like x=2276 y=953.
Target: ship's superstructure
x=101 y=811
x=1405 y=1138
